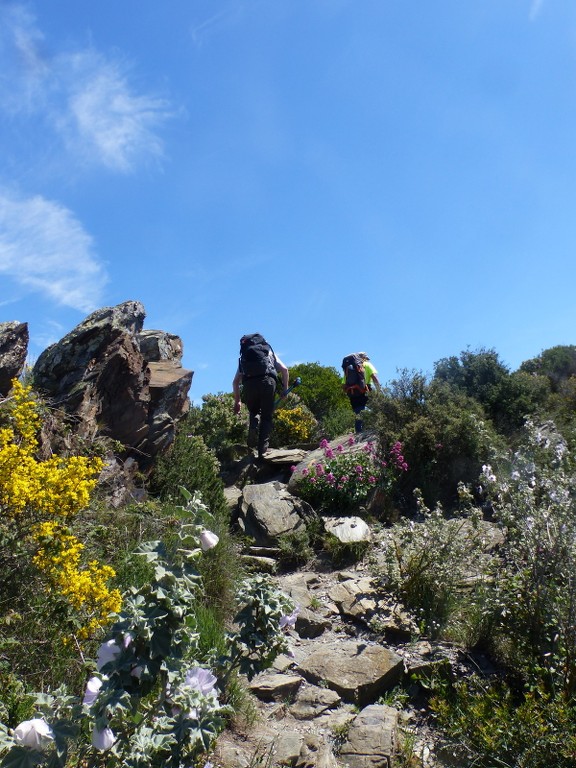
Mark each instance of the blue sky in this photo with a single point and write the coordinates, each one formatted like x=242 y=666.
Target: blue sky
x=338 y=175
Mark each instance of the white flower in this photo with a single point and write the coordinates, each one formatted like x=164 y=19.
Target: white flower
x=103 y=740
x=34 y=733
x=137 y=671
x=106 y=653
x=208 y=540
x=201 y=680
x=289 y=621
x=92 y=689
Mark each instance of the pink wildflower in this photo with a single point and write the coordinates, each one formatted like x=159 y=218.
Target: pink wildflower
x=339 y=448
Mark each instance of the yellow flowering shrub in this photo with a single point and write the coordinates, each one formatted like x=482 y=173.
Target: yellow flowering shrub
x=41 y=498
x=293 y=425
x=85 y=588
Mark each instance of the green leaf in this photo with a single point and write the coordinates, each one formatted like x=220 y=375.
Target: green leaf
x=160 y=643
x=22 y=757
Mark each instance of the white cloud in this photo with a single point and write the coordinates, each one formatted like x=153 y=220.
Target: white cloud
x=104 y=119
x=535 y=8
x=23 y=67
x=44 y=249
x=80 y=95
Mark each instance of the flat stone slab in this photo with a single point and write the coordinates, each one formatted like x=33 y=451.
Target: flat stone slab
x=372 y=738
x=359 y=672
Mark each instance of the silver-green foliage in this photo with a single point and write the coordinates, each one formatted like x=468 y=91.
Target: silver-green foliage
x=534 y=595
x=436 y=565
x=153 y=701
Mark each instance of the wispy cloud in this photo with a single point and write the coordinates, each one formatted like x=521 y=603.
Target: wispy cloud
x=105 y=119
x=83 y=96
x=23 y=66
x=44 y=249
x=535 y=8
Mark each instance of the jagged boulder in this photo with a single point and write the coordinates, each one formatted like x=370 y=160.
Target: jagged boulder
x=267 y=511
x=100 y=376
x=13 y=351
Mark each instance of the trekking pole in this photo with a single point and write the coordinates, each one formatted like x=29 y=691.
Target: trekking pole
x=297 y=381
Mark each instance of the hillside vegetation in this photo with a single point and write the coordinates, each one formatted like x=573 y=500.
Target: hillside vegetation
x=126 y=634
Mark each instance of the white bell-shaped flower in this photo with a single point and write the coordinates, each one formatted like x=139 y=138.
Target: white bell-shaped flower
x=208 y=540
x=35 y=733
x=103 y=739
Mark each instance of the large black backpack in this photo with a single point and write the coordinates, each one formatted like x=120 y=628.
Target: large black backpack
x=256 y=356
x=354 y=375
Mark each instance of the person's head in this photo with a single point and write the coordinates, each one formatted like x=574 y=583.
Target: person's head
x=363 y=356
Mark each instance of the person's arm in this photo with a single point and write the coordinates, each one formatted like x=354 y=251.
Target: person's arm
x=373 y=376
x=283 y=371
x=236 y=391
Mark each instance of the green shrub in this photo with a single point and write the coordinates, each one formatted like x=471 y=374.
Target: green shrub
x=533 y=600
x=216 y=423
x=488 y=725
x=321 y=389
x=191 y=465
x=444 y=434
x=428 y=565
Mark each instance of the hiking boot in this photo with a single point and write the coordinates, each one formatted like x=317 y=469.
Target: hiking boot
x=263 y=449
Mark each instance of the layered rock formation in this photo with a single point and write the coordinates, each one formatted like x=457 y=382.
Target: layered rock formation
x=109 y=377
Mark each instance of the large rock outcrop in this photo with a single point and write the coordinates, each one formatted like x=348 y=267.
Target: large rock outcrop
x=13 y=351
x=115 y=380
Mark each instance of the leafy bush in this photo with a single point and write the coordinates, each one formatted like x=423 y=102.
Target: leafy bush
x=428 y=564
x=321 y=389
x=445 y=438
x=191 y=465
x=487 y=725
x=154 y=699
x=533 y=601
x=216 y=423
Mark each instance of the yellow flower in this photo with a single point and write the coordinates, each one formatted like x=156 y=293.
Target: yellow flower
x=43 y=496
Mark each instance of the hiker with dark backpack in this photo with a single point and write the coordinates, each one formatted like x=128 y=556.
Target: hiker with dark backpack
x=255 y=383
x=358 y=378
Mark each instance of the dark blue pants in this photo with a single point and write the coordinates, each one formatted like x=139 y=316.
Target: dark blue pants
x=358 y=403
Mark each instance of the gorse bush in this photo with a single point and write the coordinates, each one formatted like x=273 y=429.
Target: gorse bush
x=293 y=424
x=38 y=502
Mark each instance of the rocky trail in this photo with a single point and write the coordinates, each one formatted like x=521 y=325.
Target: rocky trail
x=330 y=703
